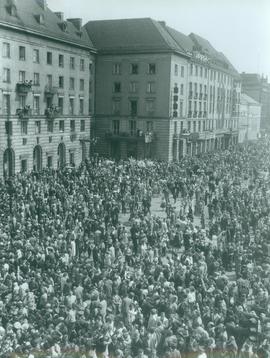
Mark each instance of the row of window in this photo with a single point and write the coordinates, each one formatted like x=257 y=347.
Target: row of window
x=132 y=127
x=49 y=79
x=6 y=53
x=49 y=104
x=24 y=162
x=133 y=106
x=134 y=69
x=200 y=71
x=50 y=127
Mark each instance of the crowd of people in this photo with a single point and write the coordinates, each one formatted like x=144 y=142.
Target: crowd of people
x=78 y=280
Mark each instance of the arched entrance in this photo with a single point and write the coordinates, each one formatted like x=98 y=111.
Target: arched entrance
x=61 y=155
x=9 y=162
x=37 y=158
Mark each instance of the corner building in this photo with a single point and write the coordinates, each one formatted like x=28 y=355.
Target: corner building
x=45 y=70
x=159 y=93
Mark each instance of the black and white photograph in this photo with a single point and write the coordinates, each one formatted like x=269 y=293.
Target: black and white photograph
x=135 y=179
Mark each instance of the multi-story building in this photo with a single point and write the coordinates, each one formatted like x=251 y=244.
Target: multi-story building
x=45 y=71
x=160 y=93
x=250 y=119
x=258 y=88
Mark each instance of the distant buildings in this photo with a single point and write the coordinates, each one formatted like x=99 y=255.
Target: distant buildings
x=144 y=89
x=249 y=120
x=258 y=88
x=159 y=93
x=44 y=87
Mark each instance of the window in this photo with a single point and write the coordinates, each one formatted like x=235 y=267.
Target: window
x=175 y=127
x=61 y=104
x=24 y=141
x=152 y=68
x=205 y=72
x=23 y=165
x=196 y=70
x=21 y=53
x=36 y=55
x=134 y=68
x=72 y=83
x=117 y=87
x=61 y=60
x=6 y=75
x=115 y=126
x=72 y=63
x=6 y=104
x=48 y=101
x=72 y=125
x=6 y=50
x=150 y=105
x=82 y=125
x=49 y=80
x=81 y=105
x=132 y=127
x=189 y=126
x=8 y=127
x=61 y=125
x=133 y=107
x=36 y=79
x=71 y=105
x=91 y=68
x=71 y=158
x=61 y=82
x=21 y=76
x=199 y=126
x=116 y=68
x=24 y=127
x=37 y=127
x=81 y=85
x=81 y=64
x=90 y=86
x=116 y=106
x=191 y=69
x=49 y=161
x=182 y=71
x=151 y=87
x=149 y=126
x=201 y=71
x=181 y=126
x=49 y=58
x=182 y=89
x=22 y=100
x=36 y=105
x=133 y=87
x=181 y=104
x=194 y=126
x=50 y=126
x=176 y=70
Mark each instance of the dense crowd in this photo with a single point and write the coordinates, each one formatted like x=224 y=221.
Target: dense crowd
x=75 y=280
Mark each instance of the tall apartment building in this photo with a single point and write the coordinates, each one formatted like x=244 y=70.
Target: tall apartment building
x=258 y=88
x=45 y=71
x=159 y=93
x=250 y=119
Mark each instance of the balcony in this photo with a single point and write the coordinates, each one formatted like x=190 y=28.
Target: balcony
x=196 y=95
x=50 y=90
x=184 y=134
x=24 y=87
x=131 y=136
x=24 y=113
x=51 y=112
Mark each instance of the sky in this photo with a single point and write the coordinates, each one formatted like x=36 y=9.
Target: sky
x=238 y=28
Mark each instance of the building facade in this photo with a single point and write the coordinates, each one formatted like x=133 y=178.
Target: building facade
x=161 y=94
x=250 y=119
x=258 y=88
x=45 y=71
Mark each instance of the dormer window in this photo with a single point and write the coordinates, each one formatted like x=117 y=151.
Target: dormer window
x=40 y=19
x=63 y=26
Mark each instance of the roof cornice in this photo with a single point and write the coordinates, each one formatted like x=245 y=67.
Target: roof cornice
x=141 y=51
x=40 y=34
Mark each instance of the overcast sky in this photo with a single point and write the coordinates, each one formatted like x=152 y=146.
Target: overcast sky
x=238 y=28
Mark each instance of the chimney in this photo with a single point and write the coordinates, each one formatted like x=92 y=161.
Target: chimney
x=162 y=23
x=76 y=22
x=42 y=4
x=60 y=15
